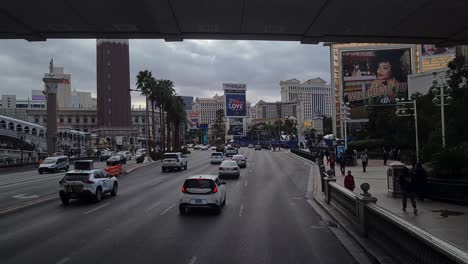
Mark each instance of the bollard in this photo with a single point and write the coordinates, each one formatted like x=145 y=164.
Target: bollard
x=363 y=199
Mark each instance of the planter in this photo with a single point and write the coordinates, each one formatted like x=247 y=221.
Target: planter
x=448 y=190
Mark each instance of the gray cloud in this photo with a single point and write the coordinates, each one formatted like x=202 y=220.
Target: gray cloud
x=197 y=67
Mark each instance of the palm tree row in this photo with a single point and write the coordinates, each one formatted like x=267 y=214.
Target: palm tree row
x=161 y=95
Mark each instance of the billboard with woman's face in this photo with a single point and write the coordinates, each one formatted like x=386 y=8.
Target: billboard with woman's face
x=374 y=77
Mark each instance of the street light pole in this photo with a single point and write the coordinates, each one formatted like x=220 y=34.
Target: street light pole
x=345 y=117
x=442 y=97
x=407 y=106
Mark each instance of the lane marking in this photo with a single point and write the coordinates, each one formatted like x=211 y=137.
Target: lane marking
x=28 y=204
x=245 y=183
x=193 y=259
x=152 y=207
x=297 y=198
x=167 y=210
x=241 y=211
x=25 y=196
x=97 y=208
x=156 y=182
x=63 y=261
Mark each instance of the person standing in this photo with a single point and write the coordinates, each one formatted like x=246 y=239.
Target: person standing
x=420 y=180
x=407 y=187
x=385 y=157
x=364 y=159
x=349 y=181
x=332 y=161
x=343 y=164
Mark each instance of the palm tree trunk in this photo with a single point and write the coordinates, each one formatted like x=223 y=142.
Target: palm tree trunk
x=153 y=125
x=161 y=128
x=177 y=136
x=147 y=128
x=168 y=132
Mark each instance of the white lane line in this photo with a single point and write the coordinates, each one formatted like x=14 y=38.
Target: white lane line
x=152 y=207
x=193 y=259
x=167 y=210
x=241 y=211
x=63 y=261
x=245 y=183
x=97 y=208
x=157 y=182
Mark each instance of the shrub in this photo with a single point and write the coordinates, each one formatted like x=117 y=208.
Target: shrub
x=451 y=163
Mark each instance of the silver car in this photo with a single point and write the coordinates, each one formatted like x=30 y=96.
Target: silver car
x=241 y=160
x=229 y=168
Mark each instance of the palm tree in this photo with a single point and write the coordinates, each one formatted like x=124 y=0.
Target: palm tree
x=166 y=93
x=144 y=85
x=153 y=97
x=177 y=117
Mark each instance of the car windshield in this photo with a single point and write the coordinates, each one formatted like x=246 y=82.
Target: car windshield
x=76 y=176
x=198 y=183
x=49 y=160
x=170 y=156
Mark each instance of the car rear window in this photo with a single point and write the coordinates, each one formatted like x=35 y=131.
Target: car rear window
x=229 y=163
x=238 y=157
x=216 y=155
x=199 y=184
x=76 y=176
x=170 y=156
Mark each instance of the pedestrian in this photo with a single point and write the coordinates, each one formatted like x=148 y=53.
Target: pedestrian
x=343 y=164
x=407 y=187
x=349 y=181
x=327 y=154
x=364 y=159
x=332 y=161
x=385 y=157
x=420 y=179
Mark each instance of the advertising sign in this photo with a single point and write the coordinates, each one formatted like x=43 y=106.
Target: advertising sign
x=193 y=119
x=374 y=77
x=236 y=127
x=235 y=105
x=435 y=51
x=234 y=86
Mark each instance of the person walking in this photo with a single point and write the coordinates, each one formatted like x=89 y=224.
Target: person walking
x=385 y=157
x=343 y=164
x=364 y=159
x=349 y=181
x=332 y=161
x=420 y=181
x=407 y=187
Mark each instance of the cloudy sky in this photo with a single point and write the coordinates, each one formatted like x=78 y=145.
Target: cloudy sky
x=197 y=67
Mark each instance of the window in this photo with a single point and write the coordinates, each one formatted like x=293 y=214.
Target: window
x=36 y=119
x=93 y=120
x=143 y=120
x=85 y=120
x=69 y=119
x=77 y=120
x=136 y=120
x=109 y=100
x=108 y=76
x=61 y=119
x=44 y=119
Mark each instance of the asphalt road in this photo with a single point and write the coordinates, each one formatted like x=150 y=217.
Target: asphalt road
x=266 y=220
x=24 y=186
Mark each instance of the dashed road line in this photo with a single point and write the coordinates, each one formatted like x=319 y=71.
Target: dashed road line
x=156 y=182
x=245 y=183
x=167 y=209
x=241 y=211
x=193 y=259
x=63 y=261
x=153 y=206
x=97 y=208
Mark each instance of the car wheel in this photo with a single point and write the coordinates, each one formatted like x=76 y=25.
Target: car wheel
x=40 y=171
x=98 y=195
x=65 y=200
x=56 y=170
x=218 y=210
x=67 y=168
x=224 y=201
x=182 y=210
x=185 y=167
x=163 y=169
x=115 y=188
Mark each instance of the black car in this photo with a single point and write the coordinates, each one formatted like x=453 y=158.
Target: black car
x=116 y=159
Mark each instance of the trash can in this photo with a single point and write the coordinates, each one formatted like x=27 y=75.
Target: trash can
x=395 y=170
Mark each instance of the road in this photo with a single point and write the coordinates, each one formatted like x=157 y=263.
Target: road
x=266 y=220
x=17 y=188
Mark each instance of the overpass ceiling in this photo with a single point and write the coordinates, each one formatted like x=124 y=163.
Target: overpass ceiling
x=308 y=21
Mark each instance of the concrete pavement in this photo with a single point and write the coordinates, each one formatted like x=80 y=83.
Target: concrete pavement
x=445 y=220
x=267 y=219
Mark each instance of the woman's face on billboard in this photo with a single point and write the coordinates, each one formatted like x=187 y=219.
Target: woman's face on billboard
x=384 y=72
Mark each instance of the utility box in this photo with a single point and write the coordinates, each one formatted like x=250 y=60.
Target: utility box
x=395 y=171
x=84 y=165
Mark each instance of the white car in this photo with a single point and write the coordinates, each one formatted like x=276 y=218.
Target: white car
x=204 y=147
x=213 y=148
x=241 y=160
x=189 y=145
x=216 y=158
x=174 y=160
x=202 y=191
x=229 y=168
x=126 y=154
x=54 y=164
x=82 y=184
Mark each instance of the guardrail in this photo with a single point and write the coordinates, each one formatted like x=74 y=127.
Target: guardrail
x=304 y=154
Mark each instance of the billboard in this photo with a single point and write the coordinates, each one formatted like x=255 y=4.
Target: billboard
x=235 y=104
x=374 y=77
x=236 y=127
x=435 y=51
x=193 y=119
x=235 y=86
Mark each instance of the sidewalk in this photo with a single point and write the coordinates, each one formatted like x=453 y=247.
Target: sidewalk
x=445 y=220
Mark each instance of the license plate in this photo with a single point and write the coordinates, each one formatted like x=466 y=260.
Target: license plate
x=198 y=201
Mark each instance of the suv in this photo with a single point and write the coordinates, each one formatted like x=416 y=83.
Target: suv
x=231 y=151
x=105 y=154
x=80 y=184
x=258 y=147
x=54 y=164
x=202 y=191
x=216 y=158
x=174 y=160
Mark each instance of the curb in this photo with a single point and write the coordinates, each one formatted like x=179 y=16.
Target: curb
x=144 y=165
x=18 y=207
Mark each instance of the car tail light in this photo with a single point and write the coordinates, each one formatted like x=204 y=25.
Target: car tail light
x=183 y=189
x=221 y=168
x=215 y=189
x=88 y=181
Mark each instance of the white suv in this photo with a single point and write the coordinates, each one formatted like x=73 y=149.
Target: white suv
x=216 y=158
x=202 y=191
x=174 y=161
x=79 y=184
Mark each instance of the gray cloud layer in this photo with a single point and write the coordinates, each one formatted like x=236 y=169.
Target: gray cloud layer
x=197 y=67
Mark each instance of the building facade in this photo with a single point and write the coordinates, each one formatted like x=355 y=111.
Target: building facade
x=64 y=96
x=207 y=108
x=314 y=94
x=279 y=110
